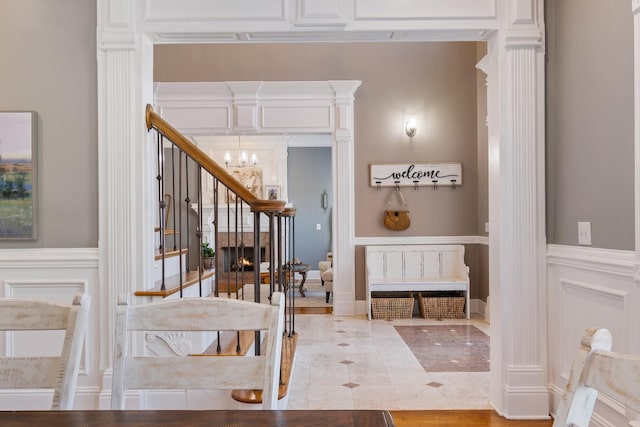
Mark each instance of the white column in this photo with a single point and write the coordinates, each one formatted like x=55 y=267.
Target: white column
x=343 y=232
x=522 y=242
x=125 y=175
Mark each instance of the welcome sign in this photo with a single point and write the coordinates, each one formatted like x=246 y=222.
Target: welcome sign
x=416 y=175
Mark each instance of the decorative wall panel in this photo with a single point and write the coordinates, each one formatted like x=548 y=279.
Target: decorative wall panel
x=53 y=275
x=424 y=9
x=309 y=119
x=190 y=120
x=588 y=287
x=214 y=10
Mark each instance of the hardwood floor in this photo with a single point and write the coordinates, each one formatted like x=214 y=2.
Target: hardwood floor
x=466 y=418
x=311 y=310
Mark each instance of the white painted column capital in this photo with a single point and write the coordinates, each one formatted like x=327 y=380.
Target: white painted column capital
x=245 y=100
x=116 y=25
x=344 y=97
x=522 y=21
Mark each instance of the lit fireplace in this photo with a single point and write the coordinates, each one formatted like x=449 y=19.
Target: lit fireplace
x=239 y=259
x=243 y=263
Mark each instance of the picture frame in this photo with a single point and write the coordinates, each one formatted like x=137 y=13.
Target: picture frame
x=18 y=175
x=272 y=192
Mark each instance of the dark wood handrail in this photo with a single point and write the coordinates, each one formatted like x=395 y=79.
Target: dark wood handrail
x=154 y=121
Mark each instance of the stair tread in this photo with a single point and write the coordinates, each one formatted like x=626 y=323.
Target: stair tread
x=286 y=369
x=167 y=231
x=170 y=254
x=172 y=284
x=228 y=344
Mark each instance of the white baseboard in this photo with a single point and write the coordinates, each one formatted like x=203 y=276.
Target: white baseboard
x=479 y=307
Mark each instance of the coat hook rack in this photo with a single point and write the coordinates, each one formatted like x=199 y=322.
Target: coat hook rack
x=416 y=175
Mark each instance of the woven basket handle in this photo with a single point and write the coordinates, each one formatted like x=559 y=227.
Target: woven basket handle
x=399 y=197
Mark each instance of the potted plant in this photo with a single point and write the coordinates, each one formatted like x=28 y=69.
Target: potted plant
x=208 y=256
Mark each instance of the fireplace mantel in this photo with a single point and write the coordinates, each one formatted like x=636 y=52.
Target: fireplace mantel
x=227 y=220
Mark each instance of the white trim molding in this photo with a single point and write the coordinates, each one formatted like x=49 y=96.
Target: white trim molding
x=514 y=31
x=267 y=107
x=423 y=240
x=608 y=261
x=39 y=258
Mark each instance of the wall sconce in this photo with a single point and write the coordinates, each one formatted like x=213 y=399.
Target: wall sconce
x=410 y=128
x=325 y=201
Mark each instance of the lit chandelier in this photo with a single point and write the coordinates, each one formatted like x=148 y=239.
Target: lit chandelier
x=243 y=158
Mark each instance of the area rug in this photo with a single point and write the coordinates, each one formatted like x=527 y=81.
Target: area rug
x=448 y=348
x=315 y=295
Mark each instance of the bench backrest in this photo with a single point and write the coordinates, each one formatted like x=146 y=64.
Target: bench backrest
x=241 y=372
x=597 y=370
x=58 y=372
x=415 y=262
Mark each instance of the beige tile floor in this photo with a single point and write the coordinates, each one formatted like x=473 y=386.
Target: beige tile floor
x=354 y=363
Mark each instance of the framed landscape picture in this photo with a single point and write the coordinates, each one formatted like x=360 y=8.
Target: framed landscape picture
x=272 y=192
x=18 y=143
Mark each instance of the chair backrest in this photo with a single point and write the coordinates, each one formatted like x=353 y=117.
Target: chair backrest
x=57 y=372
x=596 y=369
x=205 y=372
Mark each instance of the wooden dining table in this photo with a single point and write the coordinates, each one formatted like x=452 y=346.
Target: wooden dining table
x=184 y=418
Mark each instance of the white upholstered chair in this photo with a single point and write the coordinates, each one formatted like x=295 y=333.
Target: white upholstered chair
x=326 y=274
x=325 y=265
x=595 y=369
x=203 y=372
x=59 y=372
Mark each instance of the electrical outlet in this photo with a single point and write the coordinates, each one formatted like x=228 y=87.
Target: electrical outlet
x=584 y=233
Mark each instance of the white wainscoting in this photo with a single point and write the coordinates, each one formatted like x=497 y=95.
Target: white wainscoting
x=589 y=287
x=54 y=275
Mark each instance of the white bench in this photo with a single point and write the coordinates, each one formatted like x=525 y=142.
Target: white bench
x=416 y=268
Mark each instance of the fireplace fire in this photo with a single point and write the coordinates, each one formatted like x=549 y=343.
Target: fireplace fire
x=240 y=259
x=243 y=263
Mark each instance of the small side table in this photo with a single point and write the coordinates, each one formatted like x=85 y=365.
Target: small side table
x=302 y=269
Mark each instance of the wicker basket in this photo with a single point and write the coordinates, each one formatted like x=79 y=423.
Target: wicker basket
x=441 y=307
x=392 y=308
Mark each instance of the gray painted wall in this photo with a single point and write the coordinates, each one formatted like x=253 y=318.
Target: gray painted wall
x=48 y=65
x=309 y=176
x=435 y=82
x=50 y=68
x=590 y=122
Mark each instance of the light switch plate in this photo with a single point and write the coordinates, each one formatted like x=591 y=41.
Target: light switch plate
x=584 y=233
